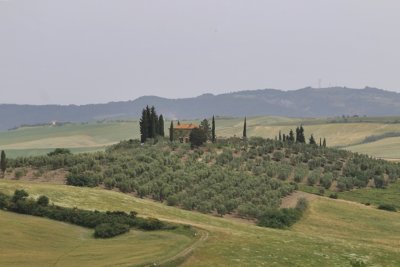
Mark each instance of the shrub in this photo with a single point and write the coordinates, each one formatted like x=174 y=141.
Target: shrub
x=358 y=263
x=172 y=201
x=279 y=218
x=108 y=230
x=333 y=196
x=302 y=204
x=150 y=224
x=59 y=151
x=278 y=156
x=43 y=201
x=19 y=173
x=19 y=195
x=387 y=207
x=313 y=178
x=326 y=180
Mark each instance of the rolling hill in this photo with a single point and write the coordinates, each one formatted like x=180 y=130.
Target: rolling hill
x=332 y=232
x=307 y=102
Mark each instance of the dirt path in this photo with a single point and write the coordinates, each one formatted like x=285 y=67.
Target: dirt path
x=187 y=251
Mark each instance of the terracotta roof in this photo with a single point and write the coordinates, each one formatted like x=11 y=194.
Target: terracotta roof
x=186 y=126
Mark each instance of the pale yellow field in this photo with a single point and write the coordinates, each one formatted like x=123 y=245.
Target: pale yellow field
x=386 y=148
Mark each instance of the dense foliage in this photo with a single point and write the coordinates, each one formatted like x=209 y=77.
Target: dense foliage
x=243 y=177
x=107 y=230
x=151 y=125
x=283 y=218
x=387 y=207
x=102 y=221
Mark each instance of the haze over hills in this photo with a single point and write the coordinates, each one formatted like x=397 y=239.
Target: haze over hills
x=307 y=102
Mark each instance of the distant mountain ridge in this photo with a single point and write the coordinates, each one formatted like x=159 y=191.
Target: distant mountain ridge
x=306 y=102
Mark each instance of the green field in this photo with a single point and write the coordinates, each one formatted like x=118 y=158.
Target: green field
x=34 y=241
x=375 y=196
x=332 y=232
x=90 y=137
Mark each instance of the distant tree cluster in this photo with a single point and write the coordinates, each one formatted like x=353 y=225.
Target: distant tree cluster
x=204 y=133
x=299 y=137
x=151 y=125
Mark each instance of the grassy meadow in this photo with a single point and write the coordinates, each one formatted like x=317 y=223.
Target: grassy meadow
x=89 y=137
x=332 y=232
x=33 y=241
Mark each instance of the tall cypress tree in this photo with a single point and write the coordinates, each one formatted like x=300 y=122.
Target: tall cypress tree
x=149 y=122
x=161 y=125
x=280 y=136
x=153 y=123
x=312 y=140
x=291 y=136
x=144 y=128
x=3 y=162
x=301 y=134
x=213 y=137
x=298 y=135
x=171 y=132
x=245 y=128
x=324 y=143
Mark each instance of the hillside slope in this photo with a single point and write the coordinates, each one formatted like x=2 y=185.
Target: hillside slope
x=332 y=233
x=307 y=102
x=33 y=241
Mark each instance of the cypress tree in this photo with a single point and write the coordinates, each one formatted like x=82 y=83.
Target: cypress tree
x=245 y=128
x=161 y=126
x=149 y=123
x=153 y=123
x=324 y=143
x=301 y=134
x=280 y=136
x=171 y=132
x=179 y=123
x=320 y=142
x=213 y=137
x=291 y=136
x=312 y=140
x=284 y=137
x=298 y=135
x=144 y=128
x=3 y=162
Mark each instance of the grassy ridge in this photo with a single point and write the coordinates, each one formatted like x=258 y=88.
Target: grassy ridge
x=28 y=240
x=330 y=234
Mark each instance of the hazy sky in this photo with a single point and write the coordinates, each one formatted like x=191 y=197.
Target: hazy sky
x=77 y=51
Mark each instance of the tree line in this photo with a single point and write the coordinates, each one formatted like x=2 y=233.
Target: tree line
x=106 y=224
x=299 y=137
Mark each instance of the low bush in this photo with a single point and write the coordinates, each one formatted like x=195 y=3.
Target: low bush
x=108 y=230
x=387 y=207
x=279 y=218
x=334 y=196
